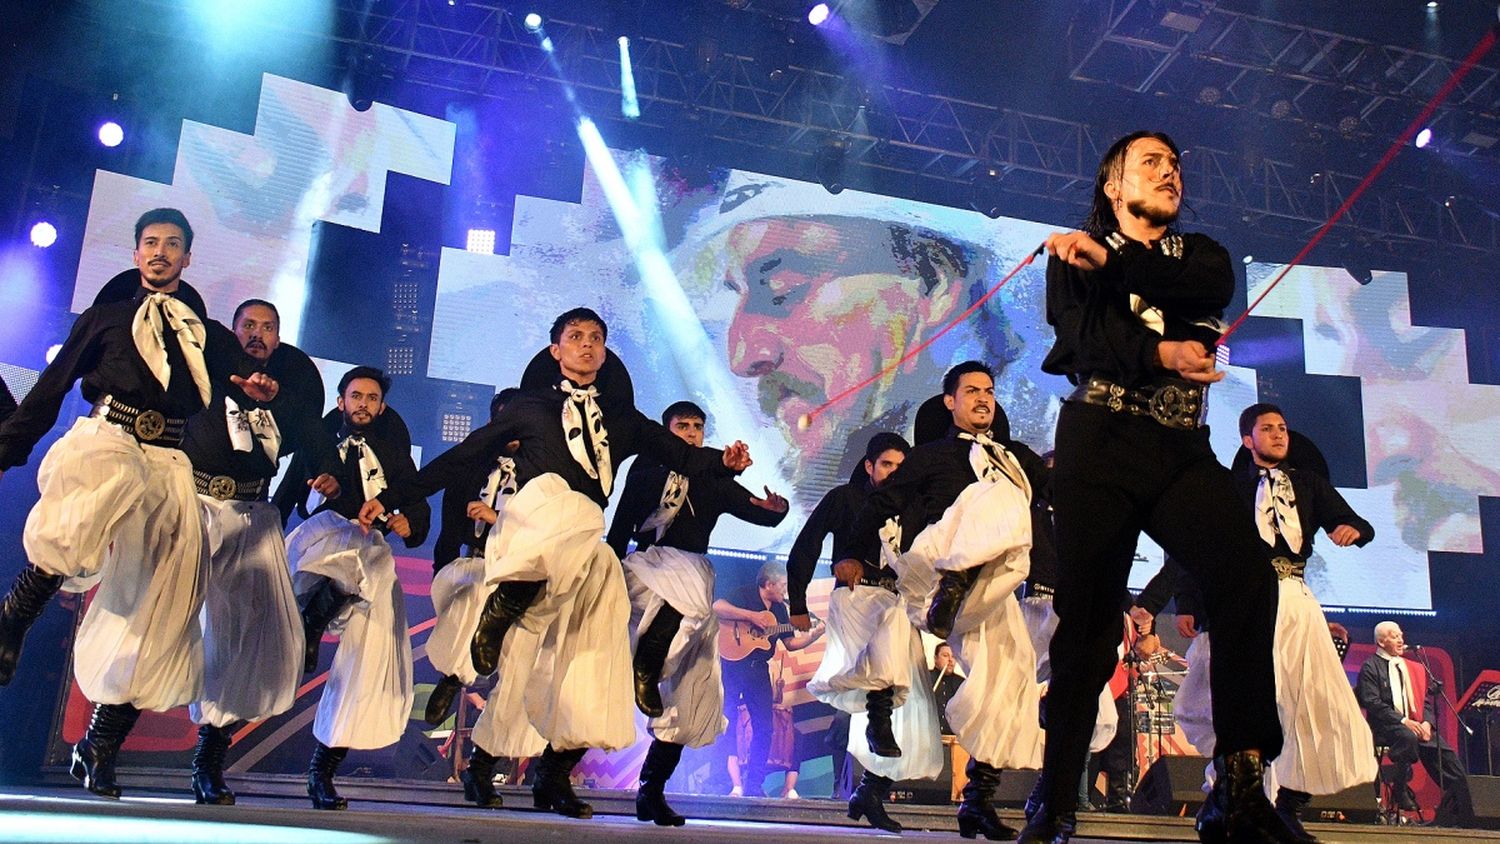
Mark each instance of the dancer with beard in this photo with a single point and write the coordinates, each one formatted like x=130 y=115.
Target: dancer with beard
x=345 y=579
x=1328 y=743
x=1135 y=306
x=252 y=633
x=835 y=515
x=678 y=685
x=964 y=509
x=472 y=510
x=557 y=590
x=117 y=503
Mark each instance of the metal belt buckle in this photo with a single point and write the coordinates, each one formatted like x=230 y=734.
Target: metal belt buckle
x=1284 y=568
x=150 y=425
x=222 y=487
x=1175 y=406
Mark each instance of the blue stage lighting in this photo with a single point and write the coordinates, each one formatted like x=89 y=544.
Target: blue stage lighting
x=111 y=134
x=43 y=234
x=818 y=14
x=533 y=21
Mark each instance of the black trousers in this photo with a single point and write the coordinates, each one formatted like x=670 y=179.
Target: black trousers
x=750 y=683
x=1117 y=476
x=1456 y=807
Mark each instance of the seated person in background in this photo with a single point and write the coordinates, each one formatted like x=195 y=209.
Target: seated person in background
x=1398 y=697
x=945 y=683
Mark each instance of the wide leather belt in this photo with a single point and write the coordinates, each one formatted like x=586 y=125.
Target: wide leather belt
x=225 y=488
x=1176 y=405
x=883 y=581
x=148 y=426
x=1288 y=567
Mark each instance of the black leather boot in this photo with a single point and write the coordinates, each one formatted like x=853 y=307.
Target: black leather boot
x=319 y=607
x=441 y=700
x=1036 y=798
x=21 y=607
x=650 y=799
x=320 y=770
x=952 y=588
x=1288 y=804
x=479 y=780
x=1249 y=816
x=504 y=607
x=976 y=814
x=1212 y=820
x=650 y=654
x=868 y=801
x=1046 y=822
x=94 y=754
x=208 y=767
x=878 y=733
x=553 y=790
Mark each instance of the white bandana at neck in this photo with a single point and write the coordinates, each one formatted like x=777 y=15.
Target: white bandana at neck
x=598 y=468
x=247 y=427
x=991 y=461
x=673 y=495
x=1276 y=509
x=500 y=483
x=157 y=313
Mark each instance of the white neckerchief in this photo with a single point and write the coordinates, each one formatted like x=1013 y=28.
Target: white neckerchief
x=500 y=483
x=157 y=313
x=371 y=475
x=599 y=468
x=247 y=427
x=890 y=541
x=1401 y=694
x=1276 y=509
x=673 y=496
x=991 y=461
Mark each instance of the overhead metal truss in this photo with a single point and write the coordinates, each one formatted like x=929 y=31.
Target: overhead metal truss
x=1200 y=51
x=691 y=93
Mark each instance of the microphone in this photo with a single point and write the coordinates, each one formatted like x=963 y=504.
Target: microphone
x=1415 y=647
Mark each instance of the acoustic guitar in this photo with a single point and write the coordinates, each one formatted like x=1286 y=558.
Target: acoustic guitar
x=739 y=639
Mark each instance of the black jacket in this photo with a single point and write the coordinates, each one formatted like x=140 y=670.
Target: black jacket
x=1373 y=690
x=708 y=497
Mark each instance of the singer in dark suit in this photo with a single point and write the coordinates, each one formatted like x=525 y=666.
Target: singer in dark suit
x=1398 y=699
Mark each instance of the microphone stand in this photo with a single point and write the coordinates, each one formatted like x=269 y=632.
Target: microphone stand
x=1443 y=694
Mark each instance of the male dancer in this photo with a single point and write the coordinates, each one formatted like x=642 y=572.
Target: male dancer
x=7 y=402
x=345 y=579
x=1327 y=746
x=964 y=501
x=1135 y=309
x=459 y=531
x=835 y=515
x=252 y=635
x=117 y=485
x=671 y=582
x=563 y=680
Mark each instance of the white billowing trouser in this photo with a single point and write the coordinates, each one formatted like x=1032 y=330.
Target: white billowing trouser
x=369 y=694
x=994 y=713
x=252 y=631
x=565 y=674
x=458 y=596
x=125 y=515
x=692 y=686
x=872 y=645
x=1327 y=745
x=1041 y=622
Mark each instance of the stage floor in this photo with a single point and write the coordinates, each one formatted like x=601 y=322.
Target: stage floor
x=377 y=815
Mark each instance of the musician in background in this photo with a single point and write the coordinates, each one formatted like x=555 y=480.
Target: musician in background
x=945 y=682
x=748 y=681
x=1397 y=696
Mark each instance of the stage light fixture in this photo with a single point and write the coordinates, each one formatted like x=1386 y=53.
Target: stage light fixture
x=52 y=352
x=828 y=164
x=818 y=14
x=984 y=192
x=111 y=134
x=533 y=22
x=1424 y=138
x=480 y=241
x=1248 y=259
x=43 y=234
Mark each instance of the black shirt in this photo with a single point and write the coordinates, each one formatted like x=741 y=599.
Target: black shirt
x=835 y=514
x=295 y=408
x=1319 y=505
x=391 y=441
x=456 y=528
x=927 y=483
x=535 y=419
x=7 y=402
x=708 y=498
x=1097 y=332
x=101 y=351
x=943 y=690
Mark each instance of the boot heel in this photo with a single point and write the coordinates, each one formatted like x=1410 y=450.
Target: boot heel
x=968 y=827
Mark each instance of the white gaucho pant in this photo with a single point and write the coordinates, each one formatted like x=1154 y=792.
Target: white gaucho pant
x=565 y=676
x=125 y=516
x=368 y=698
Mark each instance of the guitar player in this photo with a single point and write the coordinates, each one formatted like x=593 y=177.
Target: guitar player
x=749 y=680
